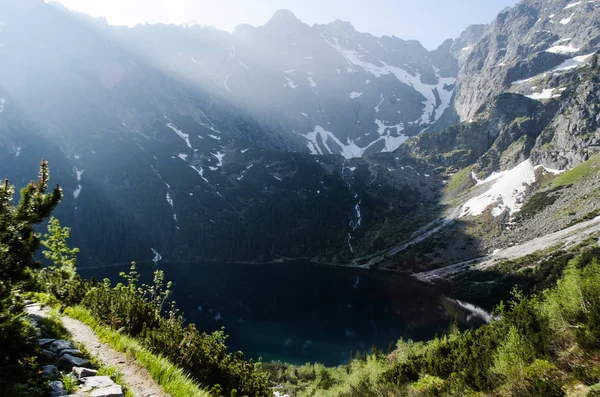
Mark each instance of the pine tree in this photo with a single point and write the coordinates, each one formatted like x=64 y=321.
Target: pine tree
x=18 y=245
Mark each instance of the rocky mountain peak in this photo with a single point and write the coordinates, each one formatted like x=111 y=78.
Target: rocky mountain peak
x=283 y=18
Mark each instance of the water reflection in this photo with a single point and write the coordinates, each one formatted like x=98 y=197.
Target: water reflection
x=300 y=312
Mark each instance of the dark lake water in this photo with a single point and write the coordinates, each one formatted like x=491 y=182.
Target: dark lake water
x=301 y=312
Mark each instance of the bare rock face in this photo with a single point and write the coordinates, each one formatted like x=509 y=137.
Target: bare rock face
x=573 y=136
x=533 y=37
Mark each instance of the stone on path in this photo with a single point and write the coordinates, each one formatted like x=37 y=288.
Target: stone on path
x=57 y=389
x=59 y=345
x=44 y=343
x=71 y=352
x=111 y=391
x=96 y=382
x=81 y=372
x=50 y=372
x=67 y=362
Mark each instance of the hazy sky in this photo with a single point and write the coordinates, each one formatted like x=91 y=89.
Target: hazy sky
x=429 y=21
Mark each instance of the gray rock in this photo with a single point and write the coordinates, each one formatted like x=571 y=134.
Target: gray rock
x=48 y=355
x=67 y=362
x=96 y=382
x=72 y=352
x=514 y=48
x=81 y=372
x=50 y=372
x=60 y=345
x=57 y=389
x=111 y=391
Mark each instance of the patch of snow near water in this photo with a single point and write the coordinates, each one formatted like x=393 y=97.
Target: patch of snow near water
x=182 y=156
x=474 y=310
x=311 y=82
x=169 y=199
x=506 y=193
x=185 y=137
x=2 y=103
x=354 y=94
x=18 y=152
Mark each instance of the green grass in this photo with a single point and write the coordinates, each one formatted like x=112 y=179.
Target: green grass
x=173 y=380
x=462 y=179
x=582 y=172
x=70 y=383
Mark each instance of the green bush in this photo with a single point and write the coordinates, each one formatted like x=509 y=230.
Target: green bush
x=543 y=380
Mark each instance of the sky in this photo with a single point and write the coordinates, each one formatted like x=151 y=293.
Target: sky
x=429 y=21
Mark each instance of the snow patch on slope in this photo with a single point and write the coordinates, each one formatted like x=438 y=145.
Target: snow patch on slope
x=77 y=191
x=506 y=193
x=78 y=173
x=572 y=63
x=157 y=256
x=320 y=141
x=567 y=20
x=290 y=83
x=572 y=5
x=432 y=111
x=547 y=93
x=185 y=137
x=200 y=172
x=562 y=49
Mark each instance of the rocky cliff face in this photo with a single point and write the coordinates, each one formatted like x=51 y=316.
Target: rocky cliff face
x=529 y=39
x=336 y=90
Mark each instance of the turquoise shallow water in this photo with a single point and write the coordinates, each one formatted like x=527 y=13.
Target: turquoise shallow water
x=301 y=312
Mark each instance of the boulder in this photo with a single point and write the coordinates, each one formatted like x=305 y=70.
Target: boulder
x=71 y=352
x=67 y=362
x=96 y=382
x=44 y=343
x=111 y=391
x=50 y=372
x=57 y=389
x=48 y=355
x=81 y=372
x=60 y=345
